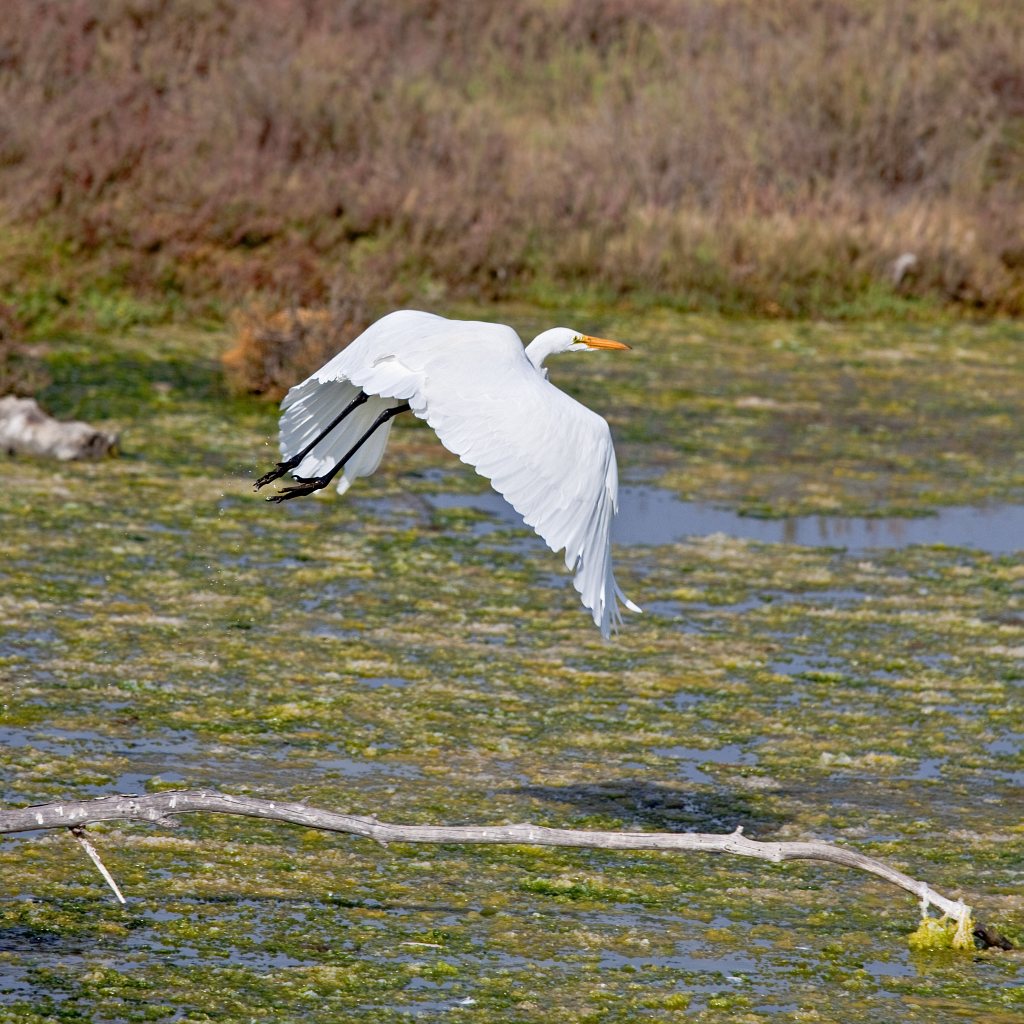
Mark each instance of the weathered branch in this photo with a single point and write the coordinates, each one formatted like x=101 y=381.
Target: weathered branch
x=159 y=809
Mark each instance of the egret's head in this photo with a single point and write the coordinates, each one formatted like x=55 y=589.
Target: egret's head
x=562 y=339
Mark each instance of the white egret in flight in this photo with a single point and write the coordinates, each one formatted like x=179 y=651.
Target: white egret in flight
x=490 y=402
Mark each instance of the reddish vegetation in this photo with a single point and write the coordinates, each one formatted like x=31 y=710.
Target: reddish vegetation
x=270 y=352
x=752 y=154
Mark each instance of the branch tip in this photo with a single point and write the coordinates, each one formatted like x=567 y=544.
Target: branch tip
x=78 y=832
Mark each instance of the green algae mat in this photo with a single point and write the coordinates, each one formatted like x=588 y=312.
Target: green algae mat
x=402 y=654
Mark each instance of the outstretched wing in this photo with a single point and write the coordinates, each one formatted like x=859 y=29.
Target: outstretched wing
x=309 y=407
x=550 y=456
x=553 y=460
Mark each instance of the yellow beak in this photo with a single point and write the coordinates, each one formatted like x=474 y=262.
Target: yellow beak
x=602 y=342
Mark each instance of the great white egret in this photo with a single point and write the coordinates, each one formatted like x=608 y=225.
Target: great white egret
x=490 y=402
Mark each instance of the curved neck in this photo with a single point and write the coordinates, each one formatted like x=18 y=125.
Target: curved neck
x=546 y=344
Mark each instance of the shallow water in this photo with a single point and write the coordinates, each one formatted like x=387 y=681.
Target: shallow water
x=655 y=516
x=419 y=655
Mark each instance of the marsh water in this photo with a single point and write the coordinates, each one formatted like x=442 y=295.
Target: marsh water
x=655 y=516
x=832 y=647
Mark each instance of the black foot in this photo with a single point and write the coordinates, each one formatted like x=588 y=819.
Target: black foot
x=278 y=471
x=305 y=485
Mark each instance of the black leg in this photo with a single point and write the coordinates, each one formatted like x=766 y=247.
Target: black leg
x=282 y=467
x=307 y=485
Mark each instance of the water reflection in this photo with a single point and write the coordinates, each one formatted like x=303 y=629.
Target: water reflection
x=652 y=515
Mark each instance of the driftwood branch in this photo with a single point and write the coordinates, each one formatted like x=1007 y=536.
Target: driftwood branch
x=160 y=809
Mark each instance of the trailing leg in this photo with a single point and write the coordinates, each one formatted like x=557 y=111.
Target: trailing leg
x=307 y=485
x=283 y=467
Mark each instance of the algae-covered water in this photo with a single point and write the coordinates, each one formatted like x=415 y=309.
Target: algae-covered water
x=408 y=654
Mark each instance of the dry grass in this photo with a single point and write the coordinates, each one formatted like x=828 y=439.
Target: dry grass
x=747 y=154
x=271 y=350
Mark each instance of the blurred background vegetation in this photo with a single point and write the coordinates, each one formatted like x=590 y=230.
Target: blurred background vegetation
x=177 y=159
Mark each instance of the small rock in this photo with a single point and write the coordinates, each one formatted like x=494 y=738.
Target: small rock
x=26 y=430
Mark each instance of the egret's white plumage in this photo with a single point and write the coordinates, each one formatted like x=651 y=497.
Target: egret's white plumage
x=489 y=400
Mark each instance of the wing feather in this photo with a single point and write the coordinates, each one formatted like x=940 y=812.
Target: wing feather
x=554 y=462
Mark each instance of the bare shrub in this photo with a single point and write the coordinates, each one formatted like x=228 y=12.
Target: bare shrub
x=754 y=155
x=271 y=351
